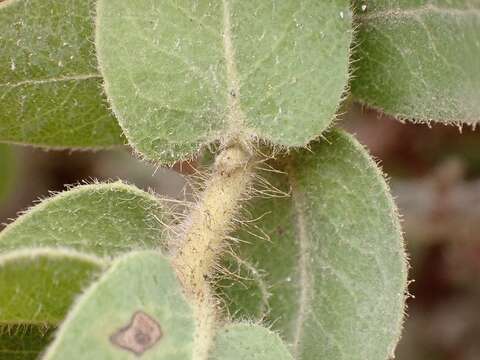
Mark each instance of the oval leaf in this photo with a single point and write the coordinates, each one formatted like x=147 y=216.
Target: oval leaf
x=39 y=285
x=103 y=219
x=420 y=60
x=136 y=308
x=335 y=268
x=248 y=342
x=189 y=73
x=50 y=88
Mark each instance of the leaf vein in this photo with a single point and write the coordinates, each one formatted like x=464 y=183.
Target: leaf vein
x=51 y=80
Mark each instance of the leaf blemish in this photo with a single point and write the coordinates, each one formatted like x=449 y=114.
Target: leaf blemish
x=141 y=334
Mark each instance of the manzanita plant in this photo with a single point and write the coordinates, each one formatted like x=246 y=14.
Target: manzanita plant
x=296 y=210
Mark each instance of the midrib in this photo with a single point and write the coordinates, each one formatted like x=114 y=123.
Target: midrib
x=235 y=114
x=304 y=279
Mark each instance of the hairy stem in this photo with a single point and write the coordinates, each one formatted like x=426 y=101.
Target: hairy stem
x=204 y=232
x=211 y=219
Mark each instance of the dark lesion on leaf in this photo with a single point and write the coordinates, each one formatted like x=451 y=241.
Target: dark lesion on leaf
x=139 y=335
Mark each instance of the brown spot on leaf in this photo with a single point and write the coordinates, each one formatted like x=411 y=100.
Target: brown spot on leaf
x=139 y=335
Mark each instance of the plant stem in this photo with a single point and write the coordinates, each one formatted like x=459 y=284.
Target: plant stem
x=211 y=219
x=204 y=232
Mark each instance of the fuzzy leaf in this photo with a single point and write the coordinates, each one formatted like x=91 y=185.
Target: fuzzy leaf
x=39 y=285
x=335 y=269
x=6 y=171
x=248 y=342
x=420 y=60
x=50 y=88
x=180 y=74
x=103 y=219
x=136 y=309
x=24 y=343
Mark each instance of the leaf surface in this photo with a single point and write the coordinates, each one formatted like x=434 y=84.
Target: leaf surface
x=248 y=342
x=23 y=343
x=39 y=285
x=136 y=309
x=50 y=88
x=102 y=219
x=419 y=60
x=189 y=73
x=334 y=269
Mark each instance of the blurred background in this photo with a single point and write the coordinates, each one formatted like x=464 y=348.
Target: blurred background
x=434 y=173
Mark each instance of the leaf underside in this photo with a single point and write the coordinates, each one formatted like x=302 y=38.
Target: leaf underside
x=50 y=88
x=23 y=343
x=189 y=73
x=38 y=285
x=136 y=309
x=37 y=288
x=100 y=219
x=334 y=273
x=418 y=60
x=248 y=342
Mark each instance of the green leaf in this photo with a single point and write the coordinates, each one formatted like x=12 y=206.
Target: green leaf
x=6 y=171
x=136 y=309
x=25 y=343
x=335 y=268
x=248 y=342
x=50 y=88
x=419 y=60
x=189 y=73
x=39 y=285
x=102 y=219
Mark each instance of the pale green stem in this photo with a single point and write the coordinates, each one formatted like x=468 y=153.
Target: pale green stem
x=204 y=233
